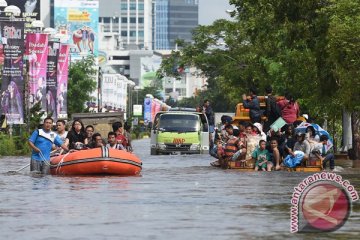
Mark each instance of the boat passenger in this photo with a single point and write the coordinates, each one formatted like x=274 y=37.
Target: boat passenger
x=127 y=133
x=261 y=157
x=112 y=143
x=323 y=153
x=253 y=104
x=61 y=129
x=41 y=142
x=257 y=128
x=96 y=141
x=120 y=137
x=89 y=130
x=288 y=141
x=311 y=136
x=289 y=108
x=252 y=141
x=275 y=154
x=301 y=145
x=76 y=136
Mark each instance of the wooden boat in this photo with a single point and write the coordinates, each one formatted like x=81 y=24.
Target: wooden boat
x=248 y=166
x=96 y=161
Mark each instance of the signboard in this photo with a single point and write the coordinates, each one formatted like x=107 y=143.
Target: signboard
x=30 y=11
x=137 y=110
x=78 y=21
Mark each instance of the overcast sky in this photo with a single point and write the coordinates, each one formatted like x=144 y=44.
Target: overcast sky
x=210 y=10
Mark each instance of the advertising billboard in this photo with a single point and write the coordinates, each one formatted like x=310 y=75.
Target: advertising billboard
x=78 y=22
x=30 y=10
x=149 y=66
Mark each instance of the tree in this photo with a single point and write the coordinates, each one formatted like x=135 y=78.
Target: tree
x=309 y=48
x=82 y=82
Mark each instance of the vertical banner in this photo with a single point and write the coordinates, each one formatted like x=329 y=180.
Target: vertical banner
x=51 y=81
x=12 y=87
x=62 y=81
x=147 y=110
x=37 y=52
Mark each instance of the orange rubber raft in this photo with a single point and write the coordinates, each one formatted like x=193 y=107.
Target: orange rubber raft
x=96 y=161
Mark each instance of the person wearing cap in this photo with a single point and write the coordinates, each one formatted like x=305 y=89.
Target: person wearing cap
x=301 y=145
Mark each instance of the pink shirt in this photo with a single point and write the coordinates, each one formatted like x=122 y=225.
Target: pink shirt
x=289 y=111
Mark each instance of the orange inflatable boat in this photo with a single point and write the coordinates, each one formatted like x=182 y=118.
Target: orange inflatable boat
x=96 y=161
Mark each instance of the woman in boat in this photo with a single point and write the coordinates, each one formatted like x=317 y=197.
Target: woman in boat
x=311 y=136
x=76 y=138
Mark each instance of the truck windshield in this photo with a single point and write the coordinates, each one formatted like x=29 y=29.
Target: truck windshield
x=179 y=123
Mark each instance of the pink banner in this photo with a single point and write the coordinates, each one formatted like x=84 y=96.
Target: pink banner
x=37 y=52
x=62 y=81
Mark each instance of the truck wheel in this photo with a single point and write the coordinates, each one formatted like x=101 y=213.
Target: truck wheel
x=153 y=151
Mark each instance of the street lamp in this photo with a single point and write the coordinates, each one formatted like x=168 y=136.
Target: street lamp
x=3 y=3
x=136 y=89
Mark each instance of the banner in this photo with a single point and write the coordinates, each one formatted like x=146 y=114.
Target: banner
x=30 y=11
x=147 y=110
x=62 y=81
x=37 y=53
x=78 y=22
x=12 y=87
x=51 y=81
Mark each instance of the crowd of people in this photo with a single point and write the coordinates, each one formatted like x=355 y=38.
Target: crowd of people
x=262 y=145
x=45 y=142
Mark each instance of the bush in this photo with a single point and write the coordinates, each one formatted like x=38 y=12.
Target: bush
x=14 y=145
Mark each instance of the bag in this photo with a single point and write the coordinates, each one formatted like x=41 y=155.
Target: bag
x=291 y=161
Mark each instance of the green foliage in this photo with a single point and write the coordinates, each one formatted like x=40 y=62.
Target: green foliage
x=309 y=48
x=14 y=145
x=82 y=82
x=35 y=116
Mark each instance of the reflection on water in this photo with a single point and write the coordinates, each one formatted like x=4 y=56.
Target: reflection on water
x=176 y=197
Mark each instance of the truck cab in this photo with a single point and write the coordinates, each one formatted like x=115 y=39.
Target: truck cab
x=183 y=131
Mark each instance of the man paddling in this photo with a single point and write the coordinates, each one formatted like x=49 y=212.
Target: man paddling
x=41 y=141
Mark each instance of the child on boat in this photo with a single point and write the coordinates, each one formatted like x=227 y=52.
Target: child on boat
x=261 y=157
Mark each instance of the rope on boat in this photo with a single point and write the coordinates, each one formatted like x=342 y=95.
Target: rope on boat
x=58 y=167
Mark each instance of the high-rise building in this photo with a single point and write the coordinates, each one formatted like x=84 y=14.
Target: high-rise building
x=174 y=19
x=129 y=21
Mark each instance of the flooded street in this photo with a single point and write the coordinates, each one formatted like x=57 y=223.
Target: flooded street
x=176 y=197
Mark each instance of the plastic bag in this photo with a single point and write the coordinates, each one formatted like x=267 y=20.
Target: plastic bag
x=291 y=161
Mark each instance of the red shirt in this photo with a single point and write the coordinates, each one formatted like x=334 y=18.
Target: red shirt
x=122 y=140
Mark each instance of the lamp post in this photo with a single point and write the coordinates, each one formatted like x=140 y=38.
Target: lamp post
x=136 y=89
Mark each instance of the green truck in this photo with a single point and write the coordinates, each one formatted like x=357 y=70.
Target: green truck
x=180 y=131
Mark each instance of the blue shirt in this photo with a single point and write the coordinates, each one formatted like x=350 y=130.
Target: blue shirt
x=44 y=141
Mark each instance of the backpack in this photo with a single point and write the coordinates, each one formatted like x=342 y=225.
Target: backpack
x=275 y=108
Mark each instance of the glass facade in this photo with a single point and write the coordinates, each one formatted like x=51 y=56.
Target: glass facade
x=174 y=19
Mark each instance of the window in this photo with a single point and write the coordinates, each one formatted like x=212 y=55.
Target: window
x=132 y=33
x=124 y=20
x=132 y=20
x=124 y=33
x=132 y=6
x=106 y=20
x=123 y=6
x=115 y=20
x=141 y=6
x=141 y=20
x=141 y=33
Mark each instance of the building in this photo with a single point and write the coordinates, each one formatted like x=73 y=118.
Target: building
x=174 y=19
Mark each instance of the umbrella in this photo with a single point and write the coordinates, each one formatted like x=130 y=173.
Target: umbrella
x=318 y=130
